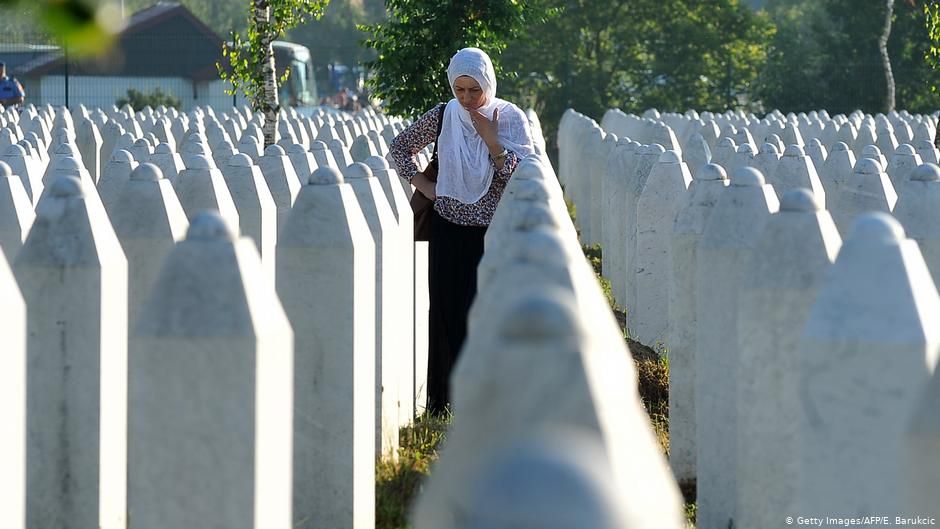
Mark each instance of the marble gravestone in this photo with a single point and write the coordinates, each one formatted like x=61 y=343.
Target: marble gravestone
x=73 y=276
x=13 y=378
x=729 y=235
x=696 y=206
x=16 y=212
x=779 y=284
x=210 y=390
x=553 y=479
x=257 y=212
x=656 y=212
x=326 y=281
x=148 y=221
x=393 y=364
x=874 y=317
x=917 y=210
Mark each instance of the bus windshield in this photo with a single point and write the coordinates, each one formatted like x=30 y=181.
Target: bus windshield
x=299 y=89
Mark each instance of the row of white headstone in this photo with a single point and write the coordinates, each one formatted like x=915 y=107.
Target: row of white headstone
x=801 y=366
x=158 y=365
x=544 y=357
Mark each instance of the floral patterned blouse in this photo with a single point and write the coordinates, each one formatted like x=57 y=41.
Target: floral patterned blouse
x=422 y=133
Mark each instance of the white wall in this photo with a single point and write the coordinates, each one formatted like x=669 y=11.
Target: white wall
x=105 y=91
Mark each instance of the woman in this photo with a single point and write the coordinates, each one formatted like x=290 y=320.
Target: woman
x=482 y=139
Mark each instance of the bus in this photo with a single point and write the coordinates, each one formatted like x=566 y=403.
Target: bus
x=300 y=89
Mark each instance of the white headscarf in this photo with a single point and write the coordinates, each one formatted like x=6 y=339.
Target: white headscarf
x=465 y=170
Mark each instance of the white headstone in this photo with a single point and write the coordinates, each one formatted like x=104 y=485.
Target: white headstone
x=619 y=168
x=779 y=284
x=796 y=171
x=873 y=152
x=302 y=160
x=921 y=469
x=141 y=150
x=250 y=145
x=362 y=148
x=732 y=229
x=322 y=155
x=597 y=171
x=340 y=153
x=868 y=188
x=415 y=283
x=817 y=152
x=222 y=153
x=326 y=280
x=696 y=153
x=394 y=368
x=918 y=210
x=73 y=276
x=867 y=350
x=656 y=212
x=148 y=220
x=13 y=378
x=15 y=156
x=927 y=152
x=114 y=175
x=697 y=205
x=201 y=186
x=724 y=152
x=90 y=146
x=281 y=179
x=646 y=157
x=549 y=480
x=257 y=212
x=902 y=162
x=545 y=334
x=16 y=212
x=169 y=162
x=210 y=390
x=835 y=171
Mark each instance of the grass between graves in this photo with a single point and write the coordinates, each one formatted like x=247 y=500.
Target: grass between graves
x=398 y=483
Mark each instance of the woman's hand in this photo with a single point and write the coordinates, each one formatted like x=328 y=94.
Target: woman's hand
x=424 y=186
x=486 y=128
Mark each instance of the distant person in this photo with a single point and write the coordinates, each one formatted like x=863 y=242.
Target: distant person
x=341 y=99
x=11 y=91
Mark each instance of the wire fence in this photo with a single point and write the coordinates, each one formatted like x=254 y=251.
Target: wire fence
x=173 y=69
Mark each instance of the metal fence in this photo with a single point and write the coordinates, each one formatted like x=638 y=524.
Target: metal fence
x=173 y=69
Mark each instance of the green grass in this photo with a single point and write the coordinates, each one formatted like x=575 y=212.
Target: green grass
x=397 y=483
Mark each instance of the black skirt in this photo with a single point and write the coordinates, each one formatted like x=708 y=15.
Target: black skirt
x=453 y=255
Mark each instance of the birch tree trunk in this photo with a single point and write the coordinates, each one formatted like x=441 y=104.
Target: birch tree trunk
x=269 y=103
x=885 y=59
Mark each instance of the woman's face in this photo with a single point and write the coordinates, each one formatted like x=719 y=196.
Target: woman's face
x=469 y=93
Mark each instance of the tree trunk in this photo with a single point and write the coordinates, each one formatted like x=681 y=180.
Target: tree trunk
x=885 y=59
x=269 y=103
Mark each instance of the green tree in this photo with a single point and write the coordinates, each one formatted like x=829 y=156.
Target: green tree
x=415 y=45
x=670 y=54
x=251 y=58
x=138 y=100
x=336 y=38
x=825 y=55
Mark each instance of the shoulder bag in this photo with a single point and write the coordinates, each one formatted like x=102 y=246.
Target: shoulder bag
x=422 y=206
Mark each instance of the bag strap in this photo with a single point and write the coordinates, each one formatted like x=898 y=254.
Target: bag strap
x=440 y=125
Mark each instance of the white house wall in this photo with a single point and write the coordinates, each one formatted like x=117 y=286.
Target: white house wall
x=105 y=91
